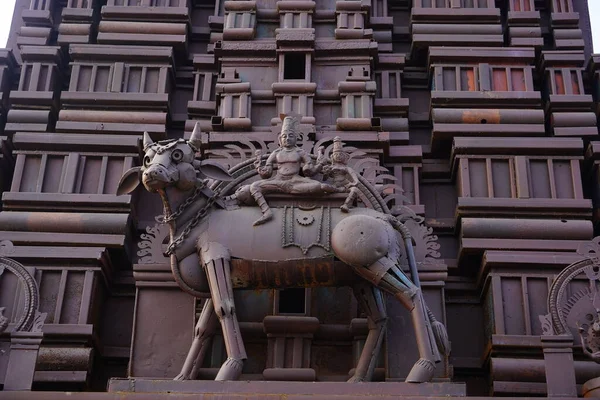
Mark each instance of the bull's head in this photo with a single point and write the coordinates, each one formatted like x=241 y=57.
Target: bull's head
x=171 y=163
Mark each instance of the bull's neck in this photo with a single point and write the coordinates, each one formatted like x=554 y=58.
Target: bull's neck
x=172 y=199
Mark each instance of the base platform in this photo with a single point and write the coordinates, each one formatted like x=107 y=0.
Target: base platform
x=289 y=390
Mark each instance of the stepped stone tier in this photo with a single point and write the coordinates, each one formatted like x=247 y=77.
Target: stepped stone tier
x=299 y=199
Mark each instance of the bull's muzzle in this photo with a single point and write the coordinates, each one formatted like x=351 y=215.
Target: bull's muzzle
x=158 y=177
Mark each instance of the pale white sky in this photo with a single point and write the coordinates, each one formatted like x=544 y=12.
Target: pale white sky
x=6 y=12
x=7 y=6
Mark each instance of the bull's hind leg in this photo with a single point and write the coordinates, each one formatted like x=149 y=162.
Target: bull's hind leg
x=398 y=284
x=371 y=302
x=218 y=270
x=203 y=333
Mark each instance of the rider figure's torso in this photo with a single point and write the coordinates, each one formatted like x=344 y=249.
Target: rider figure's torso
x=289 y=161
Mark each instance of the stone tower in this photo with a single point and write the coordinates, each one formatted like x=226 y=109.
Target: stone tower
x=477 y=116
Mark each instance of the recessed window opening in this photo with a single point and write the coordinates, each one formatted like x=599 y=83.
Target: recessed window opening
x=292 y=301
x=294 y=66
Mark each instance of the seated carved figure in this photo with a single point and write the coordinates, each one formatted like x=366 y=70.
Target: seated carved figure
x=344 y=178
x=289 y=160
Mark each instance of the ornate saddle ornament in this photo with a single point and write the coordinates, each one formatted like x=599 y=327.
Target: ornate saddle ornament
x=306 y=228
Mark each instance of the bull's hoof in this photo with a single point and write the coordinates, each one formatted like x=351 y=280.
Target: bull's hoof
x=181 y=377
x=267 y=216
x=230 y=370
x=421 y=372
x=356 y=379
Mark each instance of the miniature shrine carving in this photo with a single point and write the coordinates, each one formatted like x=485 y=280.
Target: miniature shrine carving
x=201 y=215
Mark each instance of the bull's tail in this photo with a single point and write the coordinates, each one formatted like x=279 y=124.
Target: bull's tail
x=440 y=334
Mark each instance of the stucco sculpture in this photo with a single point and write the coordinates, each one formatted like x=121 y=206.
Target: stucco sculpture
x=200 y=221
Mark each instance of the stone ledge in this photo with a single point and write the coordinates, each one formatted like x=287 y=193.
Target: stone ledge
x=264 y=389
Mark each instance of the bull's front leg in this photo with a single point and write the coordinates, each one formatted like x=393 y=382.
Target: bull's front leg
x=203 y=333
x=216 y=260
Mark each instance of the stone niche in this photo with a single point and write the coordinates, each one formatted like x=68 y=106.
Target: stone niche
x=118 y=90
x=455 y=23
x=523 y=21
x=73 y=283
x=77 y=21
x=50 y=176
x=537 y=177
x=514 y=288
x=495 y=181
x=34 y=104
x=569 y=110
x=485 y=92
x=163 y=22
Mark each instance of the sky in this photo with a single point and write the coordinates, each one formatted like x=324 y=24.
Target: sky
x=7 y=6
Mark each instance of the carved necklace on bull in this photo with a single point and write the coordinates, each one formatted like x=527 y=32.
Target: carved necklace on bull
x=170 y=216
x=199 y=184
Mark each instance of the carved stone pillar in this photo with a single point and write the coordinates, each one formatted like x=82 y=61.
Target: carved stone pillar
x=568 y=107
x=352 y=18
x=240 y=20
x=560 y=368
x=34 y=103
x=203 y=104
x=524 y=24
x=357 y=106
x=77 y=21
x=295 y=97
x=234 y=102
x=289 y=342
x=565 y=26
x=37 y=23
x=295 y=22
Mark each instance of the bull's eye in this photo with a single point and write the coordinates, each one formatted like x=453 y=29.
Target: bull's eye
x=147 y=161
x=177 y=155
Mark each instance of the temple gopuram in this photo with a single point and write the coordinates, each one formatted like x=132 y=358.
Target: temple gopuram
x=294 y=199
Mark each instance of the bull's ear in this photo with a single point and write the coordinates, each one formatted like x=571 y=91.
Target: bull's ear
x=129 y=181
x=214 y=170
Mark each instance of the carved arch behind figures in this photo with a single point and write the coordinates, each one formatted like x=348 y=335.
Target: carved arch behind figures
x=581 y=306
x=31 y=319
x=372 y=180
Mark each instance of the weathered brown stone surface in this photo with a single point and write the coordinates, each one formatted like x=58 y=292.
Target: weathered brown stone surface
x=483 y=112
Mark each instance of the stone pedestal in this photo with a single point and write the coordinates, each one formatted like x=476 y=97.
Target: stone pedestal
x=24 y=348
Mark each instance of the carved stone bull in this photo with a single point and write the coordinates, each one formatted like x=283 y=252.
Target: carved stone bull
x=206 y=236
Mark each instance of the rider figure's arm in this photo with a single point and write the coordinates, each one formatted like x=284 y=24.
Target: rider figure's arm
x=267 y=170
x=309 y=167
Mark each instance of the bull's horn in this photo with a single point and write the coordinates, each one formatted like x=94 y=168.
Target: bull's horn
x=147 y=140
x=196 y=138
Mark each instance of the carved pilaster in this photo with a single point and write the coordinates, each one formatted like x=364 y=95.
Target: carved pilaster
x=560 y=368
x=24 y=348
